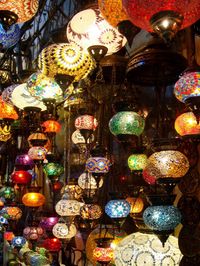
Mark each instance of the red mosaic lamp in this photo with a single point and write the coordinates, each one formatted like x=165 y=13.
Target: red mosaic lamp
x=21 y=177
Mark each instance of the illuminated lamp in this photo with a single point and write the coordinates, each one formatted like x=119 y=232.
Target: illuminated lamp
x=137 y=162
x=7 y=94
x=146 y=249
x=77 y=138
x=8 y=235
x=112 y=11
x=126 y=123
x=150 y=175
x=136 y=204
x=21 y=98
x=90 y=211
x=7 y=111
x=74 y=191
x=72 y=231
x=48 y=222
x=8 y=193
x=95 y=32
x=33 y=199
x=86 y=124
x=53 y=170
x=18 y=241
x=37 y=153
x=103 y=253
x=60 y=230
x=164 y=18
x=21 y=177
x=57 y=186
x=2 y=201
x=23 y=10
x=66 y=207
x=13 y=213
x=52 y=244
x=10 y=36
x=51 y=126
x=186 y=124
x=87 y=181
x=5 y=129
x=23 y=161
x=66 y=62
x=33 y=232
x=97 y=165
x=117 y=208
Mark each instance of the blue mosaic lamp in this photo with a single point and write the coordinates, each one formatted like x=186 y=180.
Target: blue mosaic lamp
x=97 y=165
x=9 y=37
x=18 y=241
x=117 y=208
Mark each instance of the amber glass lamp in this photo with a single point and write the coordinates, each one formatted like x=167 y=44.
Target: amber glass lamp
x=186 y=124
x=136 y=204
x=33 y=199
x=7 y=111
x=51 y=126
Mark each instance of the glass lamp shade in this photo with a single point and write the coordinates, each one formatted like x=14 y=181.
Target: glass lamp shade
x=33 y=232
x=24 y=9
x=150 y=175
x=48 y=222
x=112 y=11
x=12 y=212
x=5 y=131
x=77 y=138
x=66 y=207
x=74 y=191
x=72 y=231
x=37 y=139
x=88 y=122
x=97 y=165
x=18 y=241
x=87 y=181
x=117 y=208
x=126 y=122
x=94 y=30
x=187 y=86
x=52 y=244
x=37 y=153
x=186 y=124
x=136 y=204
x=141 y=13
x=7 y=94
x=67 y=59
x=8 y=193
x=9 y=37
x=8 y=235
x=161 y=218
x=24 y=160
x=42 y=87
x=33 y=199
x=103 y=255
x=53 y=169
x=146 y=249
x=51 y=126
x=21 y=98
x=7 y=111
x=169 y=164
x=60 y=230
x=137 y=162
x=90 y=211
x=21 y=177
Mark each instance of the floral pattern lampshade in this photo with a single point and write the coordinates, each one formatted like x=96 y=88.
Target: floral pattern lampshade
x=137 y=161
x=60 y=230
x=126 y=122
x=88 y=122
x=94 y=30
x=169 y=164
x=186 y=124
x=24 y=9
x=7 y=111
x=187 y=86
x=9 y=37
x=33 y=199
x=66 y=59
x=66 y=207
x=112 y=11
x=146 y=249
x=87 y=181
x=42 y=87
x=90 y=211
x=161 y=218
x=98 y=165
x=33 y=232
x=117 y=208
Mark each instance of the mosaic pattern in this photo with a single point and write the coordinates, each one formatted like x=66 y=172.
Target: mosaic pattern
x=137 y=161
x=53 y=169
x=186 y=124
x=187 y=86
x=97 y=165
x=87 y=181
x=52 y=244
x=140 y=12
x=117 y=208
x=112 y=11
x=74 y=191
x=33 y=199
x=103 y=254
x=21 y=177
x=9 y=37
x=150 y=174
x=68 y=207
x=18 y=241
x=37 y=153
x=5 y=134
x=60 y=230
x=24 y=160
x=7 y=94
x=33 y=232
x=126 y=122
x=7 y=111
x=169 y=163
x=48 y=222
x=136 y=204
x=12 y=213
x=88 y=122
x=94 y=30
x=90 y=211
x=146 y=249
x=162 y=217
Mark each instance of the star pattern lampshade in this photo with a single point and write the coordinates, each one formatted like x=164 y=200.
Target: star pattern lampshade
x=67 y=59
x=94 y=30
x=7 y=111
x=146 y=249
x=112 y=11
x=186 y=124
x=9 y=37
x=117 y=208
x=24 y=9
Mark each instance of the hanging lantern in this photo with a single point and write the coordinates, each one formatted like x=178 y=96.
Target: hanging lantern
x=94 y=31
x=74 y=191
x=87 y=181
x=42 y=87
x=7 y=94
x=21 y=177
x=9 y=37
x=33 y=199
x=5 y=130
x=13 y=213
x=51 y=126
x=98 y=165
x=48 y=222
x=21 y=98
x=112 y=11
x=136 y=204
x=66 y=207
x=7 y=111
x=72 y=231
x=90 y=211
x=117 y=208
x=169 y=164
x=8 y=235
x=18 y=241
x=60 y=230
x=103 y=255
x=88 y=122
x=53 y=170
x=186 y=124
x=126 y=123
x=52 y=244
x=23 y=160
x=67 y=59
x=150 y=174
x=137 y=162
x=78 y=139
x=33 y=232
x=8 y=193
x=146 y=249
x=37 y=153
x=164 y=18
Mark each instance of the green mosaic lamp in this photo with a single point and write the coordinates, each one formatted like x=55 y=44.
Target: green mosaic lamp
x=137 y=162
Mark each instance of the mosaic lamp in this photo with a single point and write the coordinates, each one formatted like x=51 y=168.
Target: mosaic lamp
x=163 y=17
x=7 y=94
x=146 y=249
x=103 y=253
x=37 y=153
x=97 y=165
x=53 y=170
x=9 y=37
x=137 y=162
x=117 y=208
x=52 y=244
x=13 y=213
x=95 y=31
x=18 y=241
x=33 y=199
x=65 y=207
x=5 y=129
x=86 y=124
x=23 y=161
x=136 y=203
x=60 y=230
x=21 y=177
x=33 y=232
x=90 y=211
x=48 y=222
x=186 y=124
x=51 y=126
x=7 y=111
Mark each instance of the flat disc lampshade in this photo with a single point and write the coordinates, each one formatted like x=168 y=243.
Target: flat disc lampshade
x=88 y=28
x=140 y=12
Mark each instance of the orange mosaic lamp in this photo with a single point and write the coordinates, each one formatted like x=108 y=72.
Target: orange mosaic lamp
x=33 y=199
x=7 y=111
x=51 y=126
x=186 y=124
